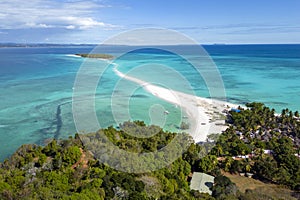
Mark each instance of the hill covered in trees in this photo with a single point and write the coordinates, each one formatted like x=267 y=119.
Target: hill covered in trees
x=257 y=143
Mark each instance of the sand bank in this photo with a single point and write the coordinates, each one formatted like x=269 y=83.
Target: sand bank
x=205 y=115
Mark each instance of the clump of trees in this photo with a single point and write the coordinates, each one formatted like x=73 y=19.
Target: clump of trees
x=224 y=188
x=101 y=56
x=255 y=130
x=66 y=169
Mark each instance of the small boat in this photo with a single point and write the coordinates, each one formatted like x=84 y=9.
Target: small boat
x=166 y=112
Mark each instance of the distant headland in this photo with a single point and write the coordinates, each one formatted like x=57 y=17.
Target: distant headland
x=102 y=56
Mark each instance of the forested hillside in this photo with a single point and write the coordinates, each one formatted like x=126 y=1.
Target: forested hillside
x=257 y=143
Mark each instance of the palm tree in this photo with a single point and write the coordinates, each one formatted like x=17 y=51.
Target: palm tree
x=218 y=150
x=297 y=114
x=291 y=114
x=283 y=112
x=227 y=163
x=259 y=152
x=248 y=167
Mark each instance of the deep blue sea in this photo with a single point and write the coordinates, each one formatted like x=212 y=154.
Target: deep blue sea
x=37 y=83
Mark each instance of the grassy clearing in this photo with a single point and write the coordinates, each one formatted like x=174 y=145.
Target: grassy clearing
x=264 y=190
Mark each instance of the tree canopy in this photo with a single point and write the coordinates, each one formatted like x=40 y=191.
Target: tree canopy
x=257 y=143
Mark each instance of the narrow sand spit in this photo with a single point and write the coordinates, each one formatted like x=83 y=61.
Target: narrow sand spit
x=205 y=115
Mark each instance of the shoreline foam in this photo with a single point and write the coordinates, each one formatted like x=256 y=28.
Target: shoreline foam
x=205 y=115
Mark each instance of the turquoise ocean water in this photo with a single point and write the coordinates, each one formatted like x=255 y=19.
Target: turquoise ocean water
x=36 y=86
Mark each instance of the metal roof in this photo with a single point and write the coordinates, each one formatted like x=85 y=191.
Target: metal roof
x=202 y=182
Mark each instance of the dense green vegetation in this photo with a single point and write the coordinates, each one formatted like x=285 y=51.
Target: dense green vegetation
x=67 y=169
x=270 y=142
x=103 y=56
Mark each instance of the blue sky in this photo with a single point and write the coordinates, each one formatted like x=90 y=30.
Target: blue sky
x=206 y=21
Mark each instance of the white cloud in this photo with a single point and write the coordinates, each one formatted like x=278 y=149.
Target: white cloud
x=18 y=14
x=71 y=27
x=83 y=23
x=34 y=25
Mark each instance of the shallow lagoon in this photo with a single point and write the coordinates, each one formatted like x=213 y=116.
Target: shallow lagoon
x=36 y=83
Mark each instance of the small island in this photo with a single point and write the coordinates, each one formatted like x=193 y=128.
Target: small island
x=101 y=56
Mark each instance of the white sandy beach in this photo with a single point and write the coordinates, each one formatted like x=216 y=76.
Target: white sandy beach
x=73 y=55
x=205 y=115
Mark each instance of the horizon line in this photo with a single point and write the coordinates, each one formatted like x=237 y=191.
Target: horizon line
x=95 y=44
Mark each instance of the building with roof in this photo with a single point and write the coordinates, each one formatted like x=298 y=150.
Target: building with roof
x=202 y=182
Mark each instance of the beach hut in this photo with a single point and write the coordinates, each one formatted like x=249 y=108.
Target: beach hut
x=202 y=182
